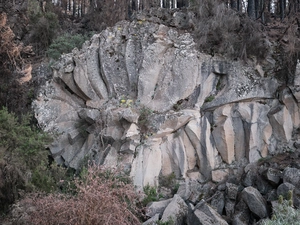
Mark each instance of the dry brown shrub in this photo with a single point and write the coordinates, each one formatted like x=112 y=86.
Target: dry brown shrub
x=8 y=47
x=221 y=30
x=106 y=13
x=11 y=51
x=103 y=198
x=290 y=37
x=27 y=74
x=215 y=27
x=14 y=58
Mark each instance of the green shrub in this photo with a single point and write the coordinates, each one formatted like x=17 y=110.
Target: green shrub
x=283 y=214
x=22 y=140
x=50 y=178
x=169 y=222
x=65 y=44
x=33 y=8
x=170 y=182
x=209 y=98
x=41 y=180
x=144 y=119
x=151 y=195
x=23 y=158
x=44 y=27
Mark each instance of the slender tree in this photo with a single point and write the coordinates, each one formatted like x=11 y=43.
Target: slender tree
x=64 y=5
x=239 y=5
x=251 y=9
x=74 y=8
x=233 y=4
x=282 y=7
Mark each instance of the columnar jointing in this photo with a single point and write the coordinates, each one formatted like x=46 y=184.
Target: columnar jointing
x=139 y=96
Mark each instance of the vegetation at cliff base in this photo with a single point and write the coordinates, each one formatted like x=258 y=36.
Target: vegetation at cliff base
x=102 y=198
x=23 y=158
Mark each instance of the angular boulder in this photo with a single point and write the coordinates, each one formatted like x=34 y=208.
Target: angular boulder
x=154 y=208
x=255 y=202
x=176 y=211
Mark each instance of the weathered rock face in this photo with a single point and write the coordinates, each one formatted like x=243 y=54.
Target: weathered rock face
x=141 y=97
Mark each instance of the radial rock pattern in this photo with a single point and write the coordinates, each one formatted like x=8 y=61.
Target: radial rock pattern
x=141 y=97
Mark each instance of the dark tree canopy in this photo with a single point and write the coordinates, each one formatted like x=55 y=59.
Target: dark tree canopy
x=120 y=9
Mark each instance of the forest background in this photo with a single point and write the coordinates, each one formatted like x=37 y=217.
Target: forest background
x=37 y=32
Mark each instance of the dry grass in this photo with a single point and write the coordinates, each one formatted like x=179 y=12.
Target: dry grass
x=102 y=199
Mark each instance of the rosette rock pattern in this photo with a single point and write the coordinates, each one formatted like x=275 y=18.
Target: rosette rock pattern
x=140 y=96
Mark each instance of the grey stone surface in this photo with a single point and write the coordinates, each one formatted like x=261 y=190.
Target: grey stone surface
x=208 y=211
x=284 y=188
x=154 y=208
x=292 y=175
x=218 y=202
x=273 y=175
x=241 y=218
x=282 y=123
x=152 y=221
x=231 y=191
x=176 y=211
x=229 y=207
x=199 y=218
x=136 y=96
x=255 y=201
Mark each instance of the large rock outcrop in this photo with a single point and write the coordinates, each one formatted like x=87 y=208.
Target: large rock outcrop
x=140 y=96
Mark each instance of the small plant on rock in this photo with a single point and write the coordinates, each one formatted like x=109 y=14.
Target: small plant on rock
x=143 y=120
x=209 y=98
x=151 y=195
x=169 y=182
x=169 y=222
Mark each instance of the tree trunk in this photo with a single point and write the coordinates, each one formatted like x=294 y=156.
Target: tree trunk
x=65 y=6
x=256 y=3
x=233 y=4
x=263 y=8
x=83 y=5
x=269 y=6
x=239 y=5
x=78 y=8
x=69 y=5
x=74 y=8
x=251 y=9
x=282 y=8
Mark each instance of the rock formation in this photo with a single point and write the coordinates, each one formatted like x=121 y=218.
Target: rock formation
x=141 y=97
